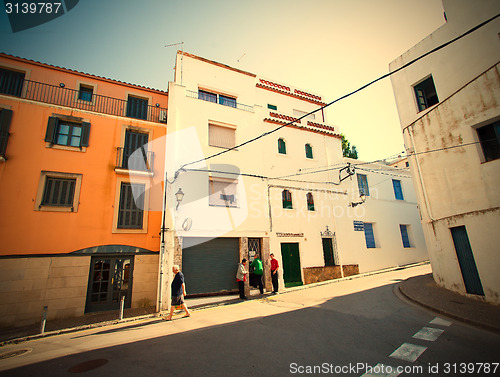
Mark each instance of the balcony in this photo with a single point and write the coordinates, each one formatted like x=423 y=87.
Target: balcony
x=57 y=95
x=218 y=98
x=139 y=161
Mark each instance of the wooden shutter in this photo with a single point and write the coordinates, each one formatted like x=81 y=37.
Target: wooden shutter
x=50 y=134
x=398 y=191
x=369 y=236
x=85 y=134
x=223 y=137
x=404 y=235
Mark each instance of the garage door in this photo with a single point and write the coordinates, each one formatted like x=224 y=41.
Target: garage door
x=209 y=266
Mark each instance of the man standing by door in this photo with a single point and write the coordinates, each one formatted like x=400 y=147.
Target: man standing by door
x=257 y=272
x=274 y=273
x=241 y=277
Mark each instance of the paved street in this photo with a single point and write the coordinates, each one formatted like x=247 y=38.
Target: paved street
x=335 y=329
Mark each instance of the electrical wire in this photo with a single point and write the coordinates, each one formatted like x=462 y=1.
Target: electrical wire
x=343 y=97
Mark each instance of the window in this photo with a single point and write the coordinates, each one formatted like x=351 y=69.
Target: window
x=281 y=146
x=221 y=136
x=131 y=206
x=489 y=137
x=426 y=94
x=58 y=192
x=137 y=107
x=363 y=185
x=217 y=98
x=398 y=191
x=309 y=151
x=287 y=199
x=223 y=192
x=310 y=202
x=207 y=96
x=68 y=133
x=404 y=235
x=5 y=117
x=11 y=82
x=272 y=107
x=85 y=93
x=369 y=235
x=227 y=101
x=135 y=151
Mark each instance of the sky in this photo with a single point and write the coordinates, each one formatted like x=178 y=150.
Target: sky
x=327 y=47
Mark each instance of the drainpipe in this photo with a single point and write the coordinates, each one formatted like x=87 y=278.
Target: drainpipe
x=162 y=247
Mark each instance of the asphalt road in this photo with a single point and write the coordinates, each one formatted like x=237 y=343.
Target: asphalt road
x=351 y=328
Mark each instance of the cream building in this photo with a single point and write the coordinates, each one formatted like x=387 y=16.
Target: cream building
x=448 y=104
x=286 y=192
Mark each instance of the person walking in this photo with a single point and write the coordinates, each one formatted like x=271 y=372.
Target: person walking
x=241 y=277
x=257 y=272
x=274 y=273
x=178 y=293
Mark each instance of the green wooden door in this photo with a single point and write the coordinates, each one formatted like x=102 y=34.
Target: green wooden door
x=291 y=264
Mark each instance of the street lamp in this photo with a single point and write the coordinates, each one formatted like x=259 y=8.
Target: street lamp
x=363 y=199
x=179 y=195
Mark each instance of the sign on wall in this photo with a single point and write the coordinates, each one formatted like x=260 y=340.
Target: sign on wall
x=359 y=226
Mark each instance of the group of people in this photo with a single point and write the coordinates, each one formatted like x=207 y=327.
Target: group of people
x=258 y=271
x=178 y=286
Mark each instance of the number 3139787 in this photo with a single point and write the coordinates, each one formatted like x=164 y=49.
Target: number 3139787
x=25 y=8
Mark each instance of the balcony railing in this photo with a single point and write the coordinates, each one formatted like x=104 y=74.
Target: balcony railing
x=138 y=159
x=57 y=95
x=224 y=101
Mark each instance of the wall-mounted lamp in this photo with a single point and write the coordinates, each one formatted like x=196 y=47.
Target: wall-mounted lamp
x=179 y=195
x=61 y=85
x=157 y=105
x=363 y=199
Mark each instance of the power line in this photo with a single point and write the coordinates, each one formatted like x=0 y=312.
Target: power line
x=345 y=96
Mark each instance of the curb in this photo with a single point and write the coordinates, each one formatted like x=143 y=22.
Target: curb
x=448 y=314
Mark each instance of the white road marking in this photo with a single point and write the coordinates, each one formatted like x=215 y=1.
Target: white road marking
x=428 y=333
x=408 y=352
x=381 y=370
x=440 y=322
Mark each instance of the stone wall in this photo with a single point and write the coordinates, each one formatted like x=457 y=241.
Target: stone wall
x=318 y=274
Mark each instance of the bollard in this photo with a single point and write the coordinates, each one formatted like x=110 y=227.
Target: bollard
x=44 y=319
x=122 y=306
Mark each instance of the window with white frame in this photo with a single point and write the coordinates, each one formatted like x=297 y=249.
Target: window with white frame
x=223 y=192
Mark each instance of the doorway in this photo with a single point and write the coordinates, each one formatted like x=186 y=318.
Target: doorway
x=110 y=279
x=292 y=273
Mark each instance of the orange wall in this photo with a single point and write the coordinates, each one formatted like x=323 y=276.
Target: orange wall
x=26 y=231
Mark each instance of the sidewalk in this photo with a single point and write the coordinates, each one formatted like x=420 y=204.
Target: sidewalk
x=424 y=291
x=421 y=290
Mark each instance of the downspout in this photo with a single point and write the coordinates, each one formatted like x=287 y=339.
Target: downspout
x=162 y=246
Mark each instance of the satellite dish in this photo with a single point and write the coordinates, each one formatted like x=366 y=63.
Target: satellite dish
x=187 y=224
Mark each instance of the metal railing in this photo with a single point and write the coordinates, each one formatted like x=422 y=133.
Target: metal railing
x=222 y=101
x=138 y=159
x=57 y=95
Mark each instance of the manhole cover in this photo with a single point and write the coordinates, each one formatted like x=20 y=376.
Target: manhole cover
x=8 y=355
x=87 y=365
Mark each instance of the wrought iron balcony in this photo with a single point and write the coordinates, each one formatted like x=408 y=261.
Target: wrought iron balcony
x=58 y=95
x=137 y=160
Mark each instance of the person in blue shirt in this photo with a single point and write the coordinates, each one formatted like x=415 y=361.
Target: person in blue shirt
x=178 y=293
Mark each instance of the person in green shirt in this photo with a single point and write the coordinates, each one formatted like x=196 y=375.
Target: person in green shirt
x=258 y=271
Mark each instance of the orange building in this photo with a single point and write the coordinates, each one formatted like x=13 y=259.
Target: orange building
x=81 y=168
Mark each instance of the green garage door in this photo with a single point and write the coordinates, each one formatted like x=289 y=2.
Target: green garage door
x=209 y=266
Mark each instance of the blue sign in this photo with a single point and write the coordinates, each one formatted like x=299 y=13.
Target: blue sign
x=359 y=226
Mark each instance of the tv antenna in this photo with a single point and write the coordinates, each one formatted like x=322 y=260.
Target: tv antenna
x=182 y=55
x=241 y=57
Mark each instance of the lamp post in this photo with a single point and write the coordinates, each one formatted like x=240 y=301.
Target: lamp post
x=363 y=199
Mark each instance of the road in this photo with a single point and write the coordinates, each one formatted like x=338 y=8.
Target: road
x=354 y=327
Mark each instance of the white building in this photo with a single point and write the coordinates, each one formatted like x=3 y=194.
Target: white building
x=448 y=104
x=279 y=193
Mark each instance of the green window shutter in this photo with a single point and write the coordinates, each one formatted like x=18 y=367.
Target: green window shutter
x=309 y=151
x=281 y=146
x=51 y=129
x=85 y=134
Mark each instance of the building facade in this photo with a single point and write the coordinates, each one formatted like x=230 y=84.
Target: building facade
x=79 y=176
x=448 y=104
x=287 y=190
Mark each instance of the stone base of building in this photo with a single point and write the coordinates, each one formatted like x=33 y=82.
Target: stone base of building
x=318 y=274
